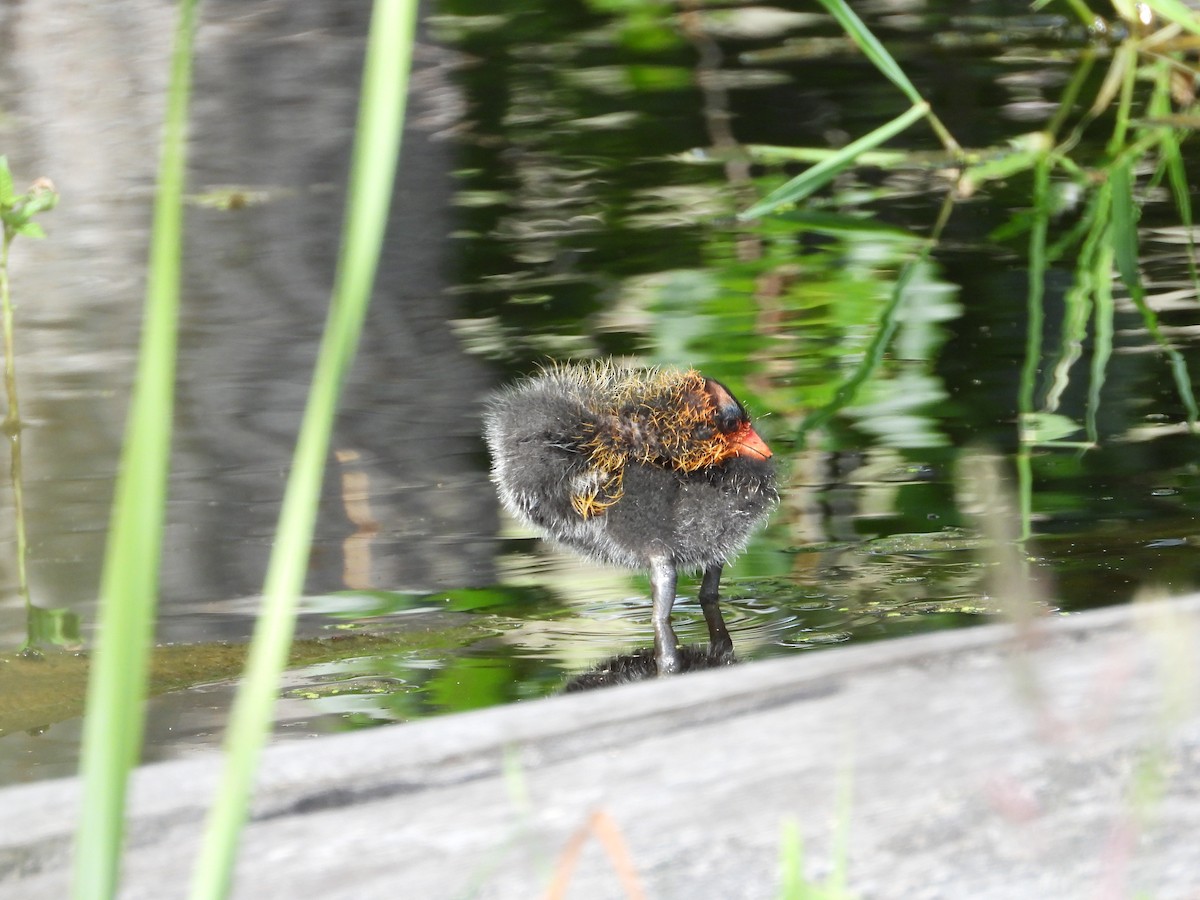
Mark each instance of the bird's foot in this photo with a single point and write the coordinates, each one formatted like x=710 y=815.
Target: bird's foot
x=666 y=658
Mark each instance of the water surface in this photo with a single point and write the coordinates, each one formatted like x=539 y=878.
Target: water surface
x=567 y=190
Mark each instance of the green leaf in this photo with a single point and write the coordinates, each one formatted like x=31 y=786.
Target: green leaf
x=54 y=626
x=812 y=180
x=31 y=230
x=113 y=724
x=6 y=183
x=1124 y=224
x=871 y=47
x=38 y=200
x=998 y=168
x=12 y=218
x=1177 y=12
x=372 y=170
x=770 y=154
x=1039 y=427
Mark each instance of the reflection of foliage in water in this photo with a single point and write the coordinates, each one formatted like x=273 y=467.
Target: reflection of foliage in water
x=1104 y=239
x=924 y=297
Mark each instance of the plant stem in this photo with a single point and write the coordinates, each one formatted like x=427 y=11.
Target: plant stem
x=376 y=149
x=12 y=428
x=115 y=718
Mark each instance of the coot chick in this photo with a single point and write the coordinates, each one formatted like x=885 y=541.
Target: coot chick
x=656 y=469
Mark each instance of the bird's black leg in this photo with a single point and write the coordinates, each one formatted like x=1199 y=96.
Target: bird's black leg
x=662 y=586
x=719 y=641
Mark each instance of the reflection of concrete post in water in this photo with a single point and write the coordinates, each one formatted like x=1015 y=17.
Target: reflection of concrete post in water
x=356 y=497
x=273 y=110
x=406 y=502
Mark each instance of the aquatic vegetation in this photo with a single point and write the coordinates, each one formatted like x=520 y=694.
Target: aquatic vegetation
x=1152 y=49
x=17 y=212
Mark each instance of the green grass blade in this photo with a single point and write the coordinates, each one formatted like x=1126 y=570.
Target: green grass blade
x=1124 y=223
x=1179 y=369
x=1085 y=15
x=839 y=877
x=791 y=862
x=377 y=146
x=1125 y=255
x=112 y=733
x=1119 y=83
x=1102 y=347
x=1035 y=313
x=1171 y=153
x=822 y=173
x=1177 y=12
x=873 y=356
x=1077 y=311
x=998 y=167
x=879 y=56
x=7 y=192
x=871 y=47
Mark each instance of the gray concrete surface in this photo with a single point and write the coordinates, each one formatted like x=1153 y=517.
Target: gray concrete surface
x=980 y=767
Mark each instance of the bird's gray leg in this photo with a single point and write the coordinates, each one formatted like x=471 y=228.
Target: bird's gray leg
x=719 y=641
x=662 y=587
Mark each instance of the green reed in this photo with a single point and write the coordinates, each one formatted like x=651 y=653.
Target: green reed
x=794 y=883
x=117 y=685
x=812 y=180
x=112 y=728
x=376 y=150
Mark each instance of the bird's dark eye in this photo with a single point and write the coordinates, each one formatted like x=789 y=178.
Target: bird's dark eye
x=728 y=414
x=729 y=418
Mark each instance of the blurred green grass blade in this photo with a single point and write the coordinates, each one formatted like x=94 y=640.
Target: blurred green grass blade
x=1085 y=15
x=1171 y=154
x=1023 y=462
x=1036 y=287
x=1183 y=384
x=1124 y=223
x=998 y=168
x=112 y=731
x=376 y=149
x=1179 y=369
x=1125 y=255
x=7 y=193
x=1119 y=83
x=879 y=56
x=791 y=862
x=770 y=154
x=1177 y=12
x=1077 y=311
x=871 y=47
x=873 y=356
x=813 y=179
x=1102 y=343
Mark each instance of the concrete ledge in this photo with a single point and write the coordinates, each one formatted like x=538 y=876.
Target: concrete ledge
x=978 y=769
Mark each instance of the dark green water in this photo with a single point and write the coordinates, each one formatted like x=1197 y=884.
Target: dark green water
x=598 y=167
x=600 y=175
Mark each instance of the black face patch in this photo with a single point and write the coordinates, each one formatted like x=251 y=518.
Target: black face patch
x=729 y=415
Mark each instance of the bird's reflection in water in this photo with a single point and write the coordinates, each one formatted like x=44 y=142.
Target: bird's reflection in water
x=640 y=666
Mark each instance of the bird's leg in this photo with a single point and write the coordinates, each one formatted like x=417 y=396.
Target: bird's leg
x=662 y=586
x=719 y=641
